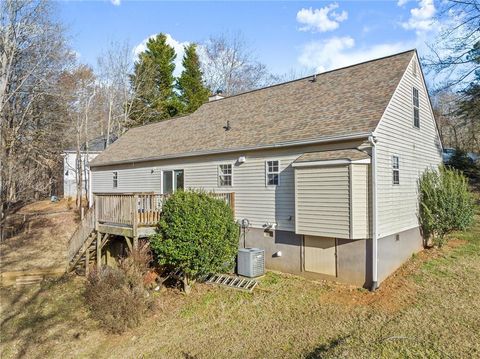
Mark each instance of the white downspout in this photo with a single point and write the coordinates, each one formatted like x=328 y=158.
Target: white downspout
x=373 y=142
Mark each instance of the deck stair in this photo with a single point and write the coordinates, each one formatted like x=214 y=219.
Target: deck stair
x=77 y=263
x=82 y=246
x=235 y=282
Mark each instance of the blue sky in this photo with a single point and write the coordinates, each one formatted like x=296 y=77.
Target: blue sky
x=286 y=36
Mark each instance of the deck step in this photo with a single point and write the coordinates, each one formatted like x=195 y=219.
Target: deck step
x=28 y=280
x=229 y=281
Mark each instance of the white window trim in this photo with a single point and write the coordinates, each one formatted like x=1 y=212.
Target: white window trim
x=172 y=169
x=267 y=173
x=395 y=169
x=218 y=174
x=415 y=107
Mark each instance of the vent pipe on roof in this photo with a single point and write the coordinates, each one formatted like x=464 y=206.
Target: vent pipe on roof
x=314 y=78
x=227 y=127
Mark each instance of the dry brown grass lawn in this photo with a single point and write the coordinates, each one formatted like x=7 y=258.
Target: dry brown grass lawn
x=42 y=241
x=430 y=308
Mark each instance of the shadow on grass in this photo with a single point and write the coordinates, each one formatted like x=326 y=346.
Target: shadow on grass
x=327 y=347
x=34 y=318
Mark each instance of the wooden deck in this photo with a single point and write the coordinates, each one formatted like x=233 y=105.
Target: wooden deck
x=128 y=215
x=135 y=215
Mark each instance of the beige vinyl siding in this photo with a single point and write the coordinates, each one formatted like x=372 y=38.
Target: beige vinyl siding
x=416 y=148
x=360 y=201
x=259 y=203
x=129 y=180
x=323 y=201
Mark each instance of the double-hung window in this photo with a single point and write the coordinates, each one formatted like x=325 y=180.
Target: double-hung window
x=396 y=169
x=225 y=175
x=272 y=173
x=416 y=108
x=115 y=179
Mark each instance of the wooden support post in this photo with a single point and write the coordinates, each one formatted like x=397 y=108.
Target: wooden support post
x=135 y=242
x=99 y=250
x=104 y=240
x=135 y=215
x=232 y=202
x=87 y=260
x=129 y=243
x=95 y=211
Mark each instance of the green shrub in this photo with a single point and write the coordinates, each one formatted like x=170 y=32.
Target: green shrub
x=462 y=162
x=197 y=234
x=446 y=204
x=117 y=297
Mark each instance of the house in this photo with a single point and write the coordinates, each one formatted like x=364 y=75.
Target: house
x=322 y=171
x=70 y=175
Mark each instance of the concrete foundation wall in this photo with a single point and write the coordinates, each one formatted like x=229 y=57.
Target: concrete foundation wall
x=289 y=243
x=353 y=256
x=393 y=251
x=354 y=265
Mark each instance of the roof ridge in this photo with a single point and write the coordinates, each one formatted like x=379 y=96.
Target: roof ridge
x=276 y=85
x=314 y=74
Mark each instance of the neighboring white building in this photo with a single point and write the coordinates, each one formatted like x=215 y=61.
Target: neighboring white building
x=70 y=175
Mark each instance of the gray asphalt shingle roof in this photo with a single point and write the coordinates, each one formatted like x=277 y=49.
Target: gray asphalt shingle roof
x=341 y=102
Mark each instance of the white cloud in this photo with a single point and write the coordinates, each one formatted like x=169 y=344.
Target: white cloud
x=116 y=2
x=402 y=2
x=177 y=46
x=340 y=51
x=421 y=17
x=321 y=20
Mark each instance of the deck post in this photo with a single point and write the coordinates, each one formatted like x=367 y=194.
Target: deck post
x=95 y=208
x=99 y=250
x=135 y=242
x=87 y=260
x=129 y=243
x=135 y=215
x=232 y=202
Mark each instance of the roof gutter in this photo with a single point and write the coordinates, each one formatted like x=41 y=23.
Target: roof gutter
x=320 y=140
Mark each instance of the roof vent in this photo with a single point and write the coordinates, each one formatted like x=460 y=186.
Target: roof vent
x=314 y=78
x=227 y=126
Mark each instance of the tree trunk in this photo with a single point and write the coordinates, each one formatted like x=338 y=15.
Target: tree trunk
x=187 y=284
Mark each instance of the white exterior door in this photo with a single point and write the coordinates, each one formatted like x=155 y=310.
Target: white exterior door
x=320 y=255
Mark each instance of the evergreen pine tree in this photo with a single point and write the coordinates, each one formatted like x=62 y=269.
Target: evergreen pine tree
x=193 y=93
x=153 y=83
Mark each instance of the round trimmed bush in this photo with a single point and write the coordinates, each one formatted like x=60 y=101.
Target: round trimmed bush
x=197 y=234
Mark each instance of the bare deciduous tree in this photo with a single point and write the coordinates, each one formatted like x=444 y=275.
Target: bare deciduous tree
x=33 y=54
x=115 y=66
x=453 y=57
x=229 y=65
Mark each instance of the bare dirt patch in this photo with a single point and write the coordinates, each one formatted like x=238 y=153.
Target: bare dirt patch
x=42 y=241
x=397 y=291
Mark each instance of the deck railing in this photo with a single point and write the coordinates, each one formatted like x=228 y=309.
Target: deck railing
x=138 y=209
x=78 y=238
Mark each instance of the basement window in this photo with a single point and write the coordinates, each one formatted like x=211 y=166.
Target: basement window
x=115 y=179
x=225 y=175
x=416 y=108
x=272 y=171
x=396 y=169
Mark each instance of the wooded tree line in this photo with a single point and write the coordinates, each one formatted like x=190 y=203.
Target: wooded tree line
x=50 y=102
x=455 y=60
